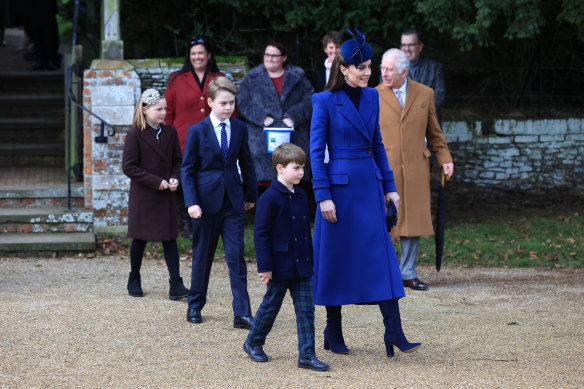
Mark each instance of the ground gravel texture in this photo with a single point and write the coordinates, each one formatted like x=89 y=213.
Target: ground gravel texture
x=70 y=323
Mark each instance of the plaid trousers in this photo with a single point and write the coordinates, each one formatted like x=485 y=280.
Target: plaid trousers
x=303 y=298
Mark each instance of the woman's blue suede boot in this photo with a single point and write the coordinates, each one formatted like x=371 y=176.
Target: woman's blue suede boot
x=394 y=334
x=333 y=332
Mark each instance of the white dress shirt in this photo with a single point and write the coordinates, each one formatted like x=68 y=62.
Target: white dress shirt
x=217 y=127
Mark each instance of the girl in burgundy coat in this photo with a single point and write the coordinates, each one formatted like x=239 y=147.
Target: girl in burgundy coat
x=152 y=161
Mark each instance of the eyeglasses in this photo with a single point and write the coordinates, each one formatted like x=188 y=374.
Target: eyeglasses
x=408 y=45
x=195 y=42
x=272 y=56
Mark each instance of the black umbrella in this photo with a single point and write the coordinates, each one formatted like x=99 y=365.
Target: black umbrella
x=439 y=236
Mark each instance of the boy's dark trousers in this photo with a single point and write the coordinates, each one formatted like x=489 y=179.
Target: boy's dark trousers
x=302 y=296
x=206 y=231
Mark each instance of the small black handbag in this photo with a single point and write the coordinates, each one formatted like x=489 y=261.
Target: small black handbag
x=391 y=216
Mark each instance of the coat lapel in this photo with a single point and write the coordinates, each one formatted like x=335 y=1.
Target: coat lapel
x=235 y=134
x=411 y=93
x=153 y=143
x=347 y=109
x=212 y=138
x=389 y=98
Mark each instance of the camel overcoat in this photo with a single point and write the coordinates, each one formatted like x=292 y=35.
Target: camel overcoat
x=403 y=131
x=152 y=213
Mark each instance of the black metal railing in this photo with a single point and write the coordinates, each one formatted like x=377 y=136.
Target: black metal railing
x=72 y=100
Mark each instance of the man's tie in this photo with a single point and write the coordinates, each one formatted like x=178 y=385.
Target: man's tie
x=399 y=97
x=224 y=145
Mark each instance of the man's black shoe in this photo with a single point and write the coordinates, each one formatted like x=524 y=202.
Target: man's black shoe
x=256 y=354
x=312 y=363
x=242 y=322
x=194 y=316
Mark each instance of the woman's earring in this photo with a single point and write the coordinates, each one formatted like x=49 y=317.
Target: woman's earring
x=344 y=74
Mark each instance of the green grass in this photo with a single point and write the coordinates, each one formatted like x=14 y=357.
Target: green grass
x=520 y=242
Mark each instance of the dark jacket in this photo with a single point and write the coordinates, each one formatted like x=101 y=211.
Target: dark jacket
x=206 y=178
x=319 y=78
x=429 y=72
x=152 y=213
x=257 y=98
x=282 y=233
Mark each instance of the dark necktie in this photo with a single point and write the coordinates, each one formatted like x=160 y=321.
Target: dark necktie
x=224 y=145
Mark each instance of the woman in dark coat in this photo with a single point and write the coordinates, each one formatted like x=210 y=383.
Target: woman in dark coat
x=274 y=95
x=354 y=259
x=152 y=160
x=186 y=98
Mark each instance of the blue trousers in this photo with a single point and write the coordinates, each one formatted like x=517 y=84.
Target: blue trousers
x=409 y=252
x=303 y=298
x=228 y=224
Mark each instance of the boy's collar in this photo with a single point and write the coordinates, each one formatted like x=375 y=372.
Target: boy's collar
x=281 y=187
x=215 y=121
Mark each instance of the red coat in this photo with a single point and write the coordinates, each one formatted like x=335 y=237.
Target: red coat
x=152 y=213
x=185 y=103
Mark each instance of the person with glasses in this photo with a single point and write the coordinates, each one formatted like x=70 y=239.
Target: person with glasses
x=186 y=99
x=407 y=119
x=424 y=70
x=275 y=95
x=354 y=258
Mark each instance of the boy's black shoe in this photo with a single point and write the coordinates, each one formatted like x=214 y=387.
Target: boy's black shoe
x=242 y=322
x=194 y=316
x=312 y=363
x=256 y=354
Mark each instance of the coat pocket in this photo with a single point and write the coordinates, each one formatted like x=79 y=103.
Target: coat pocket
x=339 y=179
x=204 y=179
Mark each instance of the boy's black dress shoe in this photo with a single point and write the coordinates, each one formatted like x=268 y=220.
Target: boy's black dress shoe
x=312 y=363
x=242 y=322
x=194 y=316
x=256 y=354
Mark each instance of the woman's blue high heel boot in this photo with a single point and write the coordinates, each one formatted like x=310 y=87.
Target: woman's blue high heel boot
x=333 y=332
x=394 y=334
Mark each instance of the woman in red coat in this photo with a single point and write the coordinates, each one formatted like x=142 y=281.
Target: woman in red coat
x=186 y=99
x=152 y=161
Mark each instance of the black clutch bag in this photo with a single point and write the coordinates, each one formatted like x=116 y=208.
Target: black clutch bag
x=391 y=216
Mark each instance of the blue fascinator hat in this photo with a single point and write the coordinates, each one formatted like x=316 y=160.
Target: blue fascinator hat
x=356 y=50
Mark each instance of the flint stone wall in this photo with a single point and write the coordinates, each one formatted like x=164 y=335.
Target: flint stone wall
x=516 y=161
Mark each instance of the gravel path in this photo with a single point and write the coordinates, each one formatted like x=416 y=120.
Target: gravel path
x=70 y=323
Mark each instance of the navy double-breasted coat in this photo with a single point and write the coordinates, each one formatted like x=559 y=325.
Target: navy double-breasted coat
x=282 y=233
x=354 y=258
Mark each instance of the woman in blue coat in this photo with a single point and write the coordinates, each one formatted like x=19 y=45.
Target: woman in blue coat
x=354 y=258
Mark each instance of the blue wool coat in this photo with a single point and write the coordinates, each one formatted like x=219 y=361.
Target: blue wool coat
x=257 y=98
x=354 y=258
x=282 y=233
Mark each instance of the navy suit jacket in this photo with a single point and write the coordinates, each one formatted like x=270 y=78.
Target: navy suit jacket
x=206 y=178
x=282 y=233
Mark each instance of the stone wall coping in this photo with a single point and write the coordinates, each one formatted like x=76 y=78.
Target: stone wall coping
x=106 y=64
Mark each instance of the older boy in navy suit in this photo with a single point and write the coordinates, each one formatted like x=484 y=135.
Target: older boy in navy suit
x=284 y=257
x=216 y=198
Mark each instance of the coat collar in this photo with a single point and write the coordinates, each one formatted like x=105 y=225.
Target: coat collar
x=347 y=109
x=412 y=91
x=282 y=188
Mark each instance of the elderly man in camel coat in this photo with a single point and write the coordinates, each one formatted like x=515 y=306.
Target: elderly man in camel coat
x=407 y=119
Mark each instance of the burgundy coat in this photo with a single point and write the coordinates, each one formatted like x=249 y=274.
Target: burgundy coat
x=152 y=213
x=186 y=104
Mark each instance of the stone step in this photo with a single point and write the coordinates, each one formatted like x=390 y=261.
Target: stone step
x=45 y=196
x=38 y=82
x=41 y=220
x=32 y=154
x=32 y=104
x=31 y=243
x=31 y=130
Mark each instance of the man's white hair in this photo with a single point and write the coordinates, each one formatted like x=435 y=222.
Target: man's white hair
x=401 y=59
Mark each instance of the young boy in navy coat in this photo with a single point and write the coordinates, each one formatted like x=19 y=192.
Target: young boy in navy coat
x=216 y=197
x=284 y=257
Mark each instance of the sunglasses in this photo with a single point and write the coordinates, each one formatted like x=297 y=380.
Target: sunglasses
x=195 y=42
